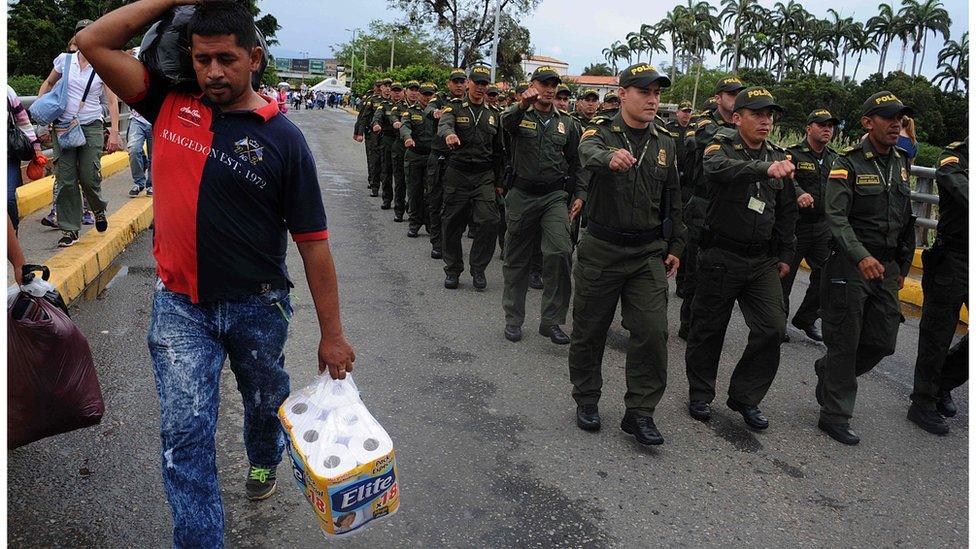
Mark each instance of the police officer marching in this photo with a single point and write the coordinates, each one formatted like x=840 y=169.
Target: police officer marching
x=586 y=106
x=364 y=132
x=437 y=161
x=746 y=248
x=939 y=370
x=472 y=130
x=545 y=156
x=707 y=127
x=870 y=218
x=813 y=159
x=417 y=135
x=629 y=248
x=383 y=126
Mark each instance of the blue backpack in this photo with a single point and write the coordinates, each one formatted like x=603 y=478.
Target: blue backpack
x=50 y=106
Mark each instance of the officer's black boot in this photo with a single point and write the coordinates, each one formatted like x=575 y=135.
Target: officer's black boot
x=535 y=281
x=700 y=410
x=928 y=420
x=479 y=281
x=811 y=330
x=513 y=333
x=841 y=432
x=555 y=334
x=752 y=415
x=945 y=405
x=588 y=417
x=643 y=429
x=451 y=282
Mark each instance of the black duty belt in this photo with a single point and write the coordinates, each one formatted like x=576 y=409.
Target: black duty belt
x=745 y=249
x=883 y=254
x=622 y=238
x=537 y=188
x=471 y=167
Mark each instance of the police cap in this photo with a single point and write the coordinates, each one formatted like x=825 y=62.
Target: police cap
x=885 y=105
x=642 y=75
x=730 y=85
x=756 y=98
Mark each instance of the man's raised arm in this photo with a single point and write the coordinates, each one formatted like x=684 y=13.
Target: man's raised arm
x=103 y=44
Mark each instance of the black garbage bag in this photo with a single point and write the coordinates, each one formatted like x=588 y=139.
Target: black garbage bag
x=52 y=386
x=165 y=50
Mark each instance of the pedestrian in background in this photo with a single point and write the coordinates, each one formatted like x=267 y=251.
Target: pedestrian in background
x=17 y=117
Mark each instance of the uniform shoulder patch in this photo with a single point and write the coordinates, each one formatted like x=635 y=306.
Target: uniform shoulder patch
x=711 y=148
x=589 y=133
x=954 y=145
x=599 y=120
x=703 y=123
x=848 y=150
x=951 y=159
x=838 y=173
x=775 y=147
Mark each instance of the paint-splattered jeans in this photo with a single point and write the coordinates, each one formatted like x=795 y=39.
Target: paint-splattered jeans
x=188 y=344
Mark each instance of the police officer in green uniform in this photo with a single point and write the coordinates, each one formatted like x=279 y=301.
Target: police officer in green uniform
x=472 y=130
x=492 y=100
x=364 y=126
x=682 y=128
x=747 y=245
x=586 y=106
x=410 y=92
x=813 y=159
x=361 y=134
x=707 y=127
x=870 y=217
x=611 y=104
x=545 y=157
x=944 y=280
x=383 y=125
x=630 y=246
x=437 y=161
x=416 y=135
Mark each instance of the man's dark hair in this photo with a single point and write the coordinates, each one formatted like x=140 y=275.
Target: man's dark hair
x=223 y=18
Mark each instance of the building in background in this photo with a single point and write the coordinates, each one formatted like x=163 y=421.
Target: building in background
x=532 y=62
x=602 y=84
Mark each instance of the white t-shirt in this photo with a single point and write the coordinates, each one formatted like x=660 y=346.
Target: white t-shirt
x=77 y=80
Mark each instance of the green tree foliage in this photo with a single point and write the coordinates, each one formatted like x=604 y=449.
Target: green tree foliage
x=413 y=46
x=438 y=74
x=597 y=69
x=26 y=84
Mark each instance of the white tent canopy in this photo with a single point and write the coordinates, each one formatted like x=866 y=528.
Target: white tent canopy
x=331 y=85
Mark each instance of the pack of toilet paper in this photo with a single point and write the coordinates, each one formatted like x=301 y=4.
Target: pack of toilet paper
x=342 y=457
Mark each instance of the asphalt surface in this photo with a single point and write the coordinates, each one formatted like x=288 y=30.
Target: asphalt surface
x=487 y=449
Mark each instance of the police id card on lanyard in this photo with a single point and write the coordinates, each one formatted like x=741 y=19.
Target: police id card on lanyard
x=755 y=202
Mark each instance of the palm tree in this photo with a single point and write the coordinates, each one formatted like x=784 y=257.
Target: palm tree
x=616 y=52
x=788 y=23
x=741 y=13
x=651 y=38
x=672 y=25
x=954 y=62
x=883 y=28
x=859 y=45
x=924 y=17
x=636 y=43
x=839 y=36
x=611 y=56
x=699 y=27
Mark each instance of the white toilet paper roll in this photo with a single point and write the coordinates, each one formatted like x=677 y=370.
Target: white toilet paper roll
x=299 y=408
x=337 y=395
x=370 y=447
x=313 y=435
x=351 y=420
x=332 y=460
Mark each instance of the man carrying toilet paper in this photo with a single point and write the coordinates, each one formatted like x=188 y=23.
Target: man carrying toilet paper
x=230 y=176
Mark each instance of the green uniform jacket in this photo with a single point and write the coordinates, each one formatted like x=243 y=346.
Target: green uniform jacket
x=705 y=130
x=811 y=177
x=745 y=204
x=479 y=129
x=365 y=117
x=438 y=103
x=382 y=115
x=632 y=201
x=414 y=126
x=952 y=176
x=868 y=207
x=541 y=152
x=680 y=134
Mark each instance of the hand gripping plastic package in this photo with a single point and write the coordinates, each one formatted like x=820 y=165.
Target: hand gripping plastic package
x=342 y=457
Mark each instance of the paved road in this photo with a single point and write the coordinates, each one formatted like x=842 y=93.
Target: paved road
x=486 y=446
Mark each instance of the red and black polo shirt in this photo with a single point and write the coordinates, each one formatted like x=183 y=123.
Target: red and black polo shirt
x=228 y=187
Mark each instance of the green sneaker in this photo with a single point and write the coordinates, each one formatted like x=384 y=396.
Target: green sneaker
x=260 y=483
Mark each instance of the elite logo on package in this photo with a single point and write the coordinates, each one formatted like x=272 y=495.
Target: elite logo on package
x=362 y=492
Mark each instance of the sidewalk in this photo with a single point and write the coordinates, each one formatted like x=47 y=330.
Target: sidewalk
x=74 y=268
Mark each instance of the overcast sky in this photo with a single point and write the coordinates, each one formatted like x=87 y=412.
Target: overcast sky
x=574 y=31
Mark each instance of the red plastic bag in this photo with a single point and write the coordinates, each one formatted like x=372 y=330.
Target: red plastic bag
x=52 y=387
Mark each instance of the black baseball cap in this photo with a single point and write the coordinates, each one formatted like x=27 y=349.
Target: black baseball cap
x=544 y=73
x=458 y=74
x=685 y=106
x=413 y=84
x=480 y=74
x=610 y=96
x=822 y=115
x=492 y=90
x=730 y=84
x=756 y=98
x=886 y=105
x=386 y=81
x=588 y=92
x=562 y=88
x=428 y=88
x=642 y=75
x=396 y=86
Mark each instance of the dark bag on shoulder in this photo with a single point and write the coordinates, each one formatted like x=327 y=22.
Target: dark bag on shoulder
x=18 y=145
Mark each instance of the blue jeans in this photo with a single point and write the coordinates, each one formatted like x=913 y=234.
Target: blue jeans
x=188 y=344
x=14 y=179
x=140 y=132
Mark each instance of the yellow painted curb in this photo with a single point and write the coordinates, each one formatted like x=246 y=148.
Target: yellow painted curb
x=38 y=194
x=74 y=268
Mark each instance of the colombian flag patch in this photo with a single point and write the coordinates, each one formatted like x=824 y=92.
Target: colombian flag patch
x=838 y=174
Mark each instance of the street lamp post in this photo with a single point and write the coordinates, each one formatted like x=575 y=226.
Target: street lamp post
x=494 y=44
x=305 y=53
x=392 y=45
x=352 y=56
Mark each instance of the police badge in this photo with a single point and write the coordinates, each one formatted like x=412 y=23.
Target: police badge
x=561 y=128
x=662 y=157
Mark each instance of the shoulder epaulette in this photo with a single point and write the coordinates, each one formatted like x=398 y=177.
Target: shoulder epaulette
x=848 y=150
x=775 y=147
x=705 y=122
x=665 y=130
x=599 y=120
x=721 y=136
x=954 y=145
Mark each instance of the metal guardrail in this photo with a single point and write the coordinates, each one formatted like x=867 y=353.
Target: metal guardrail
x=923 y=198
